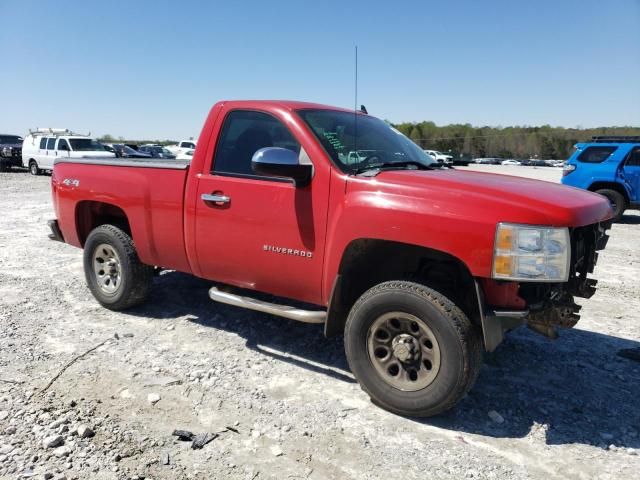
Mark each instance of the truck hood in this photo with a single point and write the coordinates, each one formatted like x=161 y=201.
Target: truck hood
x=487 y=197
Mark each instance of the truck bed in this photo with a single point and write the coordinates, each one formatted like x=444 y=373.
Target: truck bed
x=148 y=193
x=124 y=162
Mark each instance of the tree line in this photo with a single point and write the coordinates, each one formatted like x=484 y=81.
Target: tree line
x=545 y=142
x=467 y=141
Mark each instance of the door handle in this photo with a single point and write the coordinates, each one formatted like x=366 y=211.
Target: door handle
x=215 y=198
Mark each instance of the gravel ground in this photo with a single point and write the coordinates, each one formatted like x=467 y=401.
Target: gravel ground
x=279 y=395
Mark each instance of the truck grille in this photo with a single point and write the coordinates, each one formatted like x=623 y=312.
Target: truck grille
x=585 y=243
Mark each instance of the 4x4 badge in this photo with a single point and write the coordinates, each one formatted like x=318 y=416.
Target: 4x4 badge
x=71 y=182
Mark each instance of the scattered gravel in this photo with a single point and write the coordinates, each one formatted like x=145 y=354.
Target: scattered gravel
x=569 y=409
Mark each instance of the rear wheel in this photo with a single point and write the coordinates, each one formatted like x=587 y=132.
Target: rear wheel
x=33 y=168
x=114 y=273
x=412 y=350
x=617 y=201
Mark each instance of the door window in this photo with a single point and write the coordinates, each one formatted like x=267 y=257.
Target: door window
x=596 y=154
x=51 y=143
x=63 y=144
x=243 y=134
x=633 y=160
x=43 y=143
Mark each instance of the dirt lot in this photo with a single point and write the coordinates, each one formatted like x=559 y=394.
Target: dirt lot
x=570 y=408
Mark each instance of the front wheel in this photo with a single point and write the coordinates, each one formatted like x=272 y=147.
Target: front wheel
x=33 y=168
x=617 y=201
x=114 y=273
x=411 y=349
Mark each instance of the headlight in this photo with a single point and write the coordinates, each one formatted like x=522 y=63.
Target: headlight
x=6 y=152
x=531 y=254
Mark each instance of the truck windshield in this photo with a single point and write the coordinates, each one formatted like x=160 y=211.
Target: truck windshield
x=85 y=145
x=356 y=142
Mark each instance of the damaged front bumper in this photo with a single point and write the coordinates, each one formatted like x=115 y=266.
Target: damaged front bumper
x=548 y=306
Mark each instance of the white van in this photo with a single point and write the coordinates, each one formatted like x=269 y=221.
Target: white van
x=41 y=147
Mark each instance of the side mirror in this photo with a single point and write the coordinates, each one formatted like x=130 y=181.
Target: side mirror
x=281 y=162
x=63 y=147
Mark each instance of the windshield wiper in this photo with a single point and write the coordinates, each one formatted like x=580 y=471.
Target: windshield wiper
x=375 y=168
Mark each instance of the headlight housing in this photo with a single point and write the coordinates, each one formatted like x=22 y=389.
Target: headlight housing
x=6 y=151
x=531 y=254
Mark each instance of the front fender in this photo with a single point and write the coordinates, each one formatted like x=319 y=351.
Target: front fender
x=403 y=219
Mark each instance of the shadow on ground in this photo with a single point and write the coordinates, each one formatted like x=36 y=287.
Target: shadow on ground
x=573 y=390
x=630 y=219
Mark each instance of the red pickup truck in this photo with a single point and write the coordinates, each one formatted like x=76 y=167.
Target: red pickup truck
x=344 y=221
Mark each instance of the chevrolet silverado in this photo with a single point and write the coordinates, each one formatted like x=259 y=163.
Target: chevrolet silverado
x=420 y=268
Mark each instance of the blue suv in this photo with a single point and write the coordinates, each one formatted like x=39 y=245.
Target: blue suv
x=609 y=166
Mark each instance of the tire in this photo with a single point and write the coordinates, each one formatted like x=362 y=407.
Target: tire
x=33 y=168
x=617 y=200
x=114 y=273
x=444 y=373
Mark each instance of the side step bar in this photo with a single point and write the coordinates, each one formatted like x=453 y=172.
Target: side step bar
x=286 y=311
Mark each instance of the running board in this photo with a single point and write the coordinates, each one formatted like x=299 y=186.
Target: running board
x=286 y=311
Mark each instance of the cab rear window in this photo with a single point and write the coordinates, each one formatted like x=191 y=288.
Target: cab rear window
x=595 y=154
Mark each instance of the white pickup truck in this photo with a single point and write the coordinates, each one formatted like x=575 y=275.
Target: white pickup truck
x=182 y=147
x=439 y=156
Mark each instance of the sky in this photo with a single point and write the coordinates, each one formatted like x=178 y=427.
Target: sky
x=153 y=69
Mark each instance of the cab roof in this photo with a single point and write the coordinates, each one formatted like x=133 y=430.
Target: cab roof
x=287 y=104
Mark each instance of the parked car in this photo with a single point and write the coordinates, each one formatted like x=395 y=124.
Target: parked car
x=41 y=147
x=488 y=161
x=439 y=156
x=383 y=251
x=124 y=151
x=181 y=147
x=188 y=155
x=510 y=162
x=156 y=151
x=461 y=160
x=536 y=162
x=610 y=166
x=10 y=151
x=554 y=163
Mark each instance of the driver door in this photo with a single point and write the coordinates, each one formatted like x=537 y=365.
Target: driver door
x=263 y=233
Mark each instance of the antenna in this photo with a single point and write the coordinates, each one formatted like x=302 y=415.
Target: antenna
x=355 y=103
x=355 y=107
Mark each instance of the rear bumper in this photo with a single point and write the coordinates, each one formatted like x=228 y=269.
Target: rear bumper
x=55 y=234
